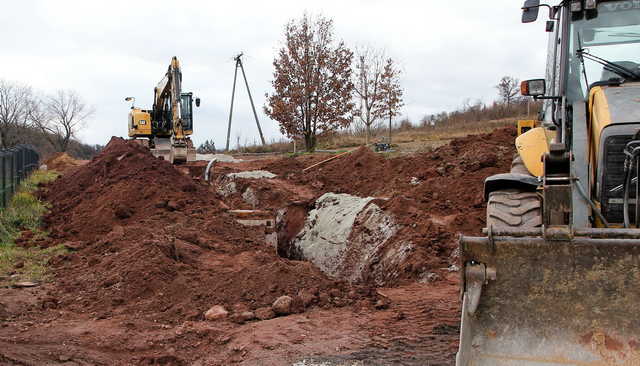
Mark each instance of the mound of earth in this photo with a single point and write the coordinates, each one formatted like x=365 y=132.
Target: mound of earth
x=431 y=197
x=62 y=162
x=148 y=242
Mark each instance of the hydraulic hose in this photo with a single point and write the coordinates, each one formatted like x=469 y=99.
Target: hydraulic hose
x=590 y=202
x=628 y=168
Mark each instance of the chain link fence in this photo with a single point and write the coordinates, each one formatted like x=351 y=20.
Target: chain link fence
x=15 y=165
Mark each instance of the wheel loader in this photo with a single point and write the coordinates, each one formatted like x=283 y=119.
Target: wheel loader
x=555 y=277
x=165 y=129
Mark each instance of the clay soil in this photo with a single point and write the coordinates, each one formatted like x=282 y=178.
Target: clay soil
x=63 y=162
x=151 y=249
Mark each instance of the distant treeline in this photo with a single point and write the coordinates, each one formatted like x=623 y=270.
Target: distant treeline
x=35 y=137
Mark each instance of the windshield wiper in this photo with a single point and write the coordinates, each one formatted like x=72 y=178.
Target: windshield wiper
x=610 y=66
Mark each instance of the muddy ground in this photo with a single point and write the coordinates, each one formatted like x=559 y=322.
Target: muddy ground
x=153 y=247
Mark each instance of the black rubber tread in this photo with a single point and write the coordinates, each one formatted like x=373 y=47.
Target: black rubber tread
x=514 y=209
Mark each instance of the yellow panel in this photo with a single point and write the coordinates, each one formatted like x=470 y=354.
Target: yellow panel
x=531 y=146
x=139 y=123
x=600 y=118
x=525 y=125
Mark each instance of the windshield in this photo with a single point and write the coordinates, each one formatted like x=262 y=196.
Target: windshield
x=185 y=106
x=613 y=37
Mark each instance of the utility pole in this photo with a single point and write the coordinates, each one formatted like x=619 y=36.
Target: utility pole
x=233 y=93
x=238 y=60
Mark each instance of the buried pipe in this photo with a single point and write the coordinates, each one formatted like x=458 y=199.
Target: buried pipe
x=209 y=166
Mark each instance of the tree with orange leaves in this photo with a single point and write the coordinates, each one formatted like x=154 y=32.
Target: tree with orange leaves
x=312 y=81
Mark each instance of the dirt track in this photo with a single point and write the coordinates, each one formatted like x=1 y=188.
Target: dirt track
x=136 y=283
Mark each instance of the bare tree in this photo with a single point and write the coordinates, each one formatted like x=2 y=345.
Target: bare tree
x=15 y=104
x=368 y=80
x=392 y=91
x=508 y=89
x=312 y=81
x=60 y=116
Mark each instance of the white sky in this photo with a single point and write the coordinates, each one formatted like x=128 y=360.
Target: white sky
x=106 y=50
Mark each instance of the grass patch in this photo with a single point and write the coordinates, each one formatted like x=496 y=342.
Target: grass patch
x=25 y=264
x=25 y=212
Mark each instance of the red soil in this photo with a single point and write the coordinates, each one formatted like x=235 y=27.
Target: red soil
x=152 y=250
x=152 y=243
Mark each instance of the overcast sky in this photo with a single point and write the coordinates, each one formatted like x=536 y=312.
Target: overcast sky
x=449 y=51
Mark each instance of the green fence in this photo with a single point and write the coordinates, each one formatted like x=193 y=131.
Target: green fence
x=15 y=165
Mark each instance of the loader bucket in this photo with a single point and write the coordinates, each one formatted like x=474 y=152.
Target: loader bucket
x=551 y=298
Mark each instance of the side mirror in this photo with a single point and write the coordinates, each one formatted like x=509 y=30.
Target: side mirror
x=530 y=11
x=533 y=88
x=197 y=102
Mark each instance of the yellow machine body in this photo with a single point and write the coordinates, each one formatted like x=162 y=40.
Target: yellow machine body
x=525 y=125
x=139 y=123
x=531 y=146
x=553 y=280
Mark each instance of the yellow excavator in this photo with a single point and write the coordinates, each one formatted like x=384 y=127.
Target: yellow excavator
x=166 y=128
x=555 y=280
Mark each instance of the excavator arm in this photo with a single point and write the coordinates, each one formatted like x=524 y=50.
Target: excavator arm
x=170 y=140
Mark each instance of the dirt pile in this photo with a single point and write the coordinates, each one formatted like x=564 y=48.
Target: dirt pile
x=62 y=162
x=433 y=196
x=148 y=242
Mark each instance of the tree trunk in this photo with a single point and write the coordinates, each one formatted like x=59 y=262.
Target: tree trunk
x=389 y=128
x=310 y=142
x=367 y=134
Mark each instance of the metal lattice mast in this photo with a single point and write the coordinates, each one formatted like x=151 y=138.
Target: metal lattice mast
x=238 y=60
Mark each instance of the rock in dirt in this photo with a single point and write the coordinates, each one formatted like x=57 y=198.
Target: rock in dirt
x=73 y=245
x=307 y=298
x=282 y=305
x=382 y=304
x=250 y=197
x=252 y=174
x=25 y=284
x=265 y=313
x=172 y=206
x=344 y=234
x=217 y=312
x=244 y=316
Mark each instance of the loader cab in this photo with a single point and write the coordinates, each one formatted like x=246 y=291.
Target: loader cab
x=593 y=69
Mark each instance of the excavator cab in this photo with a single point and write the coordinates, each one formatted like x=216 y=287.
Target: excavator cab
x=554 y=279
x=186 y=110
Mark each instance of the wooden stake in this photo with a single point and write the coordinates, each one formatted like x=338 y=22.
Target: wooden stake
x=326 y=161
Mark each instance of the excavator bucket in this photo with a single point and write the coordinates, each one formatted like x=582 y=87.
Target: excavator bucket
x=162 y=148
x=174 y=153
x=551 y=298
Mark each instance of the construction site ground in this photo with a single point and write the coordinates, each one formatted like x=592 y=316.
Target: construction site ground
x=151 y=248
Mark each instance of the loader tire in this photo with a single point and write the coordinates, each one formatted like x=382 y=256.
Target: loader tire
x=514 y=209
x=518 y=167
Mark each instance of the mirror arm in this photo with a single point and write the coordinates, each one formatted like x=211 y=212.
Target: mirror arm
x=551 y=10
x=544 y=97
